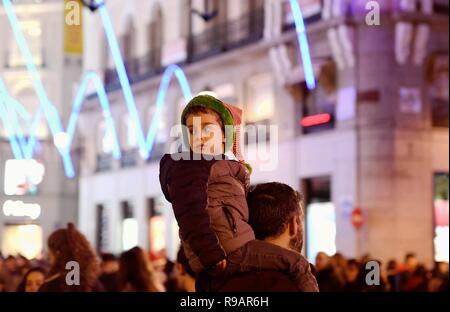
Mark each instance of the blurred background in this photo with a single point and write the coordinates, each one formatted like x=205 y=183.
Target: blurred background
x=368 y=146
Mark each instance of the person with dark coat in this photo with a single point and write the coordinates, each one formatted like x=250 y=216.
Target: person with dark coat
x=327 y=277
x=207 y=187
x=110 y=269
x=353 y=276
x=277 y=219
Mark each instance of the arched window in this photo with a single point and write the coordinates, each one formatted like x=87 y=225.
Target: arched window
x=155 y=34
x=128 y=40
x=105 y=139
x=255 y=16
x=104 y=52
x=129 y=132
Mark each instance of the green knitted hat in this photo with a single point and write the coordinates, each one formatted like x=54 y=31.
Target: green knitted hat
x=216 y=105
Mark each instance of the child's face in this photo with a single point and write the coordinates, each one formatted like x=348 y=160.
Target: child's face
x=205 y=133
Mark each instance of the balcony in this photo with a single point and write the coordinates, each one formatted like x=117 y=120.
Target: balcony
x=104 y=162
x=231 y=35
x=136 y=68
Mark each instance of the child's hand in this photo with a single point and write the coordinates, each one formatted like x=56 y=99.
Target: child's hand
x=221 y=265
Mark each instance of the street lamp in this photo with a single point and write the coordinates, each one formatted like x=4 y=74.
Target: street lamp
x=93 y=5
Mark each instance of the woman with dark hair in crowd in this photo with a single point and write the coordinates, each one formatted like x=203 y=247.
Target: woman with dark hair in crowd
x=136 y=272
x=68 y=247
x=353 y=276
x=32 y=280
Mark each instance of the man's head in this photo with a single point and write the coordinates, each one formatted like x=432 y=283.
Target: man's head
x=411 y=261
x=210 y=125
x=109 y=264
x=276 y=214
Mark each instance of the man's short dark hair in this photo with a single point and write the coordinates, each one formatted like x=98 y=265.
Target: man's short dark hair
x=271 y=206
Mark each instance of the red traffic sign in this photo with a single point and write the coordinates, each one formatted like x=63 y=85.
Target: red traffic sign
x=357 y=218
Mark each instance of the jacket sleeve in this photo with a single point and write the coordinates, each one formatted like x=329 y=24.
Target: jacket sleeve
x=164 y=175
x=188 y=192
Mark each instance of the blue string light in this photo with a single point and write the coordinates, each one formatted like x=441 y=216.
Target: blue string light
x=23 y=149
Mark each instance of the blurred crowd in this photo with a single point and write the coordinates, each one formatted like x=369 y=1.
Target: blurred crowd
x=138 y=271
x=339 y=274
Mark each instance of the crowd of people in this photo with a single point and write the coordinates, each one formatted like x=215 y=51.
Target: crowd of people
x=339 y=274
x=137 y=271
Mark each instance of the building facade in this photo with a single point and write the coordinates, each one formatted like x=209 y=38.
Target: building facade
x=369 y=142
x=36 y=197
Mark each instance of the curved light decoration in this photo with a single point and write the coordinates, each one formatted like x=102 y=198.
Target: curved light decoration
x=9 y=107
x=303 y=43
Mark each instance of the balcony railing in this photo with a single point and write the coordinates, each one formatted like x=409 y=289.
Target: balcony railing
x=227 y=36
x=40 y=61
x=104 y=162
x=129 y=158
x=136 y=68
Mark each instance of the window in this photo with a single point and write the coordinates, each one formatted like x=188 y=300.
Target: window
x=105 y=142
x=129 y=226
x=438 y=89
x=320 y=217
x=218 y=9
x=162 y=132
x=260 y=99
x=163 y=231
x=129 y=142
x=102 y=227
x=319 y=105
x=441 y=7
x=311 y=10
x=128 y=47
x=106 y=139
x=33 y=35
x=22 y=176
x=259 y=109
x=156 y=226
x=156 y=32
x=129 y=132
x=128 y=40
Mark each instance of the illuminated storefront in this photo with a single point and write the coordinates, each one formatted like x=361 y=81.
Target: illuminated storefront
x=441 y=209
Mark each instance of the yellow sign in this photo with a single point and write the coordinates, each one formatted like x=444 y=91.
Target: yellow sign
x=73 y=27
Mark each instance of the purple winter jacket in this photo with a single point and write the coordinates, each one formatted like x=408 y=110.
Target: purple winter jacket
x=209 y=202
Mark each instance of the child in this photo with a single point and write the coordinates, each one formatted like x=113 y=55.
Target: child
x=208 y=187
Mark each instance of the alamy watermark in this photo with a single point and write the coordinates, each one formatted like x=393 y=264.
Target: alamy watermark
x=73 y=276
x=373 y=16
x=373 y=274
x=73 y=13
x=261 y=149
